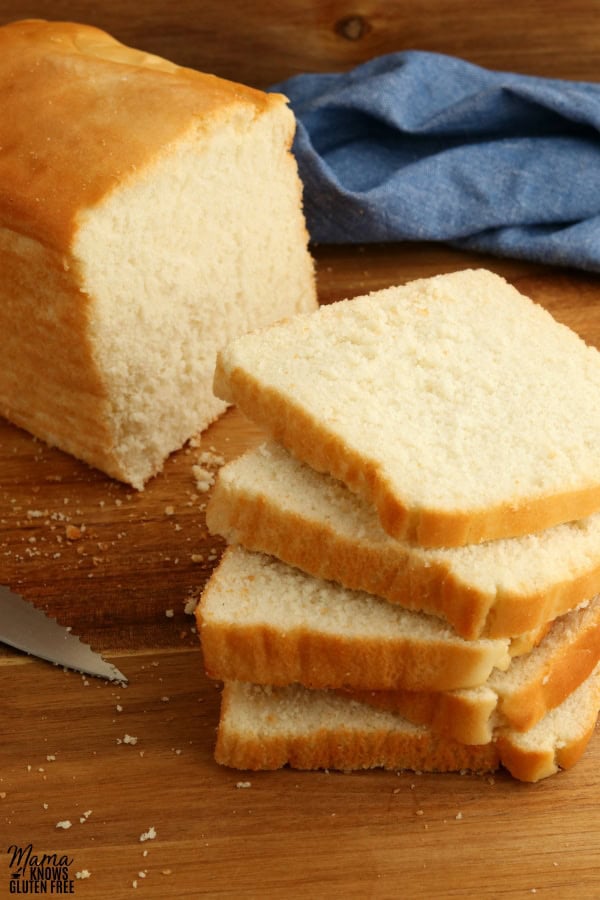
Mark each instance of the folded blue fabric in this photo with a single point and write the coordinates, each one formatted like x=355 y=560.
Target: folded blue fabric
x=422 y=146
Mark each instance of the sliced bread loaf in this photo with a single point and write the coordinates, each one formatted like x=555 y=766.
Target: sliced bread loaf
x=148 y=214
x=263 y=727
x=516 y=699
x=261 y=620
x=461 y=410
x=269 y=501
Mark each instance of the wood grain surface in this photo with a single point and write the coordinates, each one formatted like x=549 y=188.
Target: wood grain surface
x=263 y=42
x=113 y=564
x=64 y=750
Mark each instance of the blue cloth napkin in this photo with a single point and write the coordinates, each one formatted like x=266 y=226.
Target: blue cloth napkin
x=422 y=146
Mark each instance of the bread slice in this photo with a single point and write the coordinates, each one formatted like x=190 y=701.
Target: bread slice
x=263 y=621
x=516 y=699
x=148 y=214
x=263 y=727
x=269 y=501
x=461 y=410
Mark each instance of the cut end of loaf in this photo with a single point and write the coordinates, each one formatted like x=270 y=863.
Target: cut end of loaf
x=166 y=297
x=177 y=227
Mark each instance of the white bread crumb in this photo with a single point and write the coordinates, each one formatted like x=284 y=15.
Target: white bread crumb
x=148 y=835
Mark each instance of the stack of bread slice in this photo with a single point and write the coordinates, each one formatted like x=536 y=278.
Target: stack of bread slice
x=414 y=565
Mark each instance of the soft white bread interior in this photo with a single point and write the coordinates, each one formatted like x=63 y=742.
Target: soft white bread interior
x=263 y=727
x=517 y=698
x=461 y=410
x=264 y=621
x=148 y=214
x=269 y=501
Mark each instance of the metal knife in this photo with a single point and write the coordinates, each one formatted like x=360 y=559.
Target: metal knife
x=24 y=626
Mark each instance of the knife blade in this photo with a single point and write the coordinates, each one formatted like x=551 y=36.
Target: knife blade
x=25 y=627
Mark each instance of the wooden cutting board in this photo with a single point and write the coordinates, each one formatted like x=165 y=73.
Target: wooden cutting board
x=131 y=768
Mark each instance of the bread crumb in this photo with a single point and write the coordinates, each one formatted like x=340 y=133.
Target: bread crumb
x=169 y=613
x=148 y=835
x=211 y=458
x=244 y=784
x=66 y=823
x=169 y=510
x=73 y=533
x=458 y=815
x=85 y=873
x=190 y=604
x=204 y=478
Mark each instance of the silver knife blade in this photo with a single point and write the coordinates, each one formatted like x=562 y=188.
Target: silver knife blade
x=24 y=626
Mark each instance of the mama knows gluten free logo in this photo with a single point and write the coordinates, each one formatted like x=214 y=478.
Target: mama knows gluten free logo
x=32 y=873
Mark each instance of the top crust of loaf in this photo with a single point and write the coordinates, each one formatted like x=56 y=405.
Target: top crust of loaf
x=455 y=405
x=81 y=112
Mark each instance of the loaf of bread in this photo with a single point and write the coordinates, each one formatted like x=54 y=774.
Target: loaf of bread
x=148 y=214
x=263 y=727
x=455 y=406
x=269 y=501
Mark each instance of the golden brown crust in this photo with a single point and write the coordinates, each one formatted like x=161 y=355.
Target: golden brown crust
x=293 y=427
x=265 y=655
x=565 y=672
x=94 y=124
x=513 y=611
x=469 y=719
x=453 y=715
x=533 y=765
x=65 y=403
